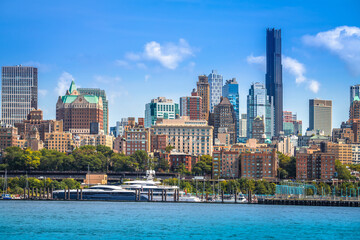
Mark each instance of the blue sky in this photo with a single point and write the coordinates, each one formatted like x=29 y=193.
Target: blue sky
x=139 y=50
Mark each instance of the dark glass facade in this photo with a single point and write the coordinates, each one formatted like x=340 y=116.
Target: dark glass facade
x=273 y=76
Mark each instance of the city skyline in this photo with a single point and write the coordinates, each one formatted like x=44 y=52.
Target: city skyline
x=132 y=71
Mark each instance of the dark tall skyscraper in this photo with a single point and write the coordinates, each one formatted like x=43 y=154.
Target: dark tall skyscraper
x=274 y=76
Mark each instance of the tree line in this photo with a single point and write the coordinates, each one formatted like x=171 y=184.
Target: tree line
x=96 y=159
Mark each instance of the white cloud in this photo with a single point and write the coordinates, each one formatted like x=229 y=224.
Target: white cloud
x=122 y=63
x=107 y=79
x=314 y=86
x=141 y=66
x=169 y=55
x=342 y=41
x=63 y=83
x=147 y=77
x=258 y=61
x=294 y=67
x=43 y=92
x=132 y=56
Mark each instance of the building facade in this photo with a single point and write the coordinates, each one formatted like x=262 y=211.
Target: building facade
x=341 y=151
x=59 y=141
x=259 y=165
x=320 y=115
x=291 y=125
x=160 y=108
x=176 y=160
x=273 y=79
x=216 y=83
x=187 y=136
x=231 y=91
x=203 y=91
x=35 y=119
x=137 y=138
x=191 y=106
x=93 y=140
x=78 y=111
x=243 y=126
x=19 y=93
x=259 y=105
x=99 y=93
x=224 y=116
x=258 y=129
x=317 y=165
x=8 y=136
x=354 y=92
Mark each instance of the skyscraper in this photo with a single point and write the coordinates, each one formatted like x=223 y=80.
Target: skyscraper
x=231 y=91
x=216 y=83
x=274 y=76
x=160 y=108
x=99 y=93
x=354 y=92
x=203 y=90
x=224 y=116
x=191 y=106
x=243 y=126
x=320 y=115
x=259 y=104
x=19 y=93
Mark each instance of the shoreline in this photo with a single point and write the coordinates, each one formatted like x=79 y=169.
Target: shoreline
x=287 y=202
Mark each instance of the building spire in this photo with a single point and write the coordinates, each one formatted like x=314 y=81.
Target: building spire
x=72 y=87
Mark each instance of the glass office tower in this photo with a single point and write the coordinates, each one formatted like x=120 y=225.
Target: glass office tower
x=19 y=93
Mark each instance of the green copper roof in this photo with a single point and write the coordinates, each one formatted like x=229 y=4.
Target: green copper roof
x=71 y=98
x=72 y=87
x=356 y=98
x=68 y=98
x=91 y=98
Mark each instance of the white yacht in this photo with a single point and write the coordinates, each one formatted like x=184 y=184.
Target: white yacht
x=158 y=190
x=100 y=192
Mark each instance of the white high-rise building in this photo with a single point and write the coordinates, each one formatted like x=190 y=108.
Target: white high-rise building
x=216 y=84
x=19 y=93
x=242 y=126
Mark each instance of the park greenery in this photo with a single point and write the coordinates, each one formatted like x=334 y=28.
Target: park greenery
x=96 y=159
x=16 y=185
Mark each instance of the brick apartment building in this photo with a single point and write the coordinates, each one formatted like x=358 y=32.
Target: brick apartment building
x=316 y=165
x=259 y=165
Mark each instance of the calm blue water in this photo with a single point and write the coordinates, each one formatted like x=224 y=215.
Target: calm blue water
x=115 y=220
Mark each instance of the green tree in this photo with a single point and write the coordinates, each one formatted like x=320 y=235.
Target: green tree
x=142 y=158
x=168 y=148
x=162 y=165
x=121 y=162
x=204 y=166
x=287 y=166
x=13 y=158
x=342 y=171
x=31 y=159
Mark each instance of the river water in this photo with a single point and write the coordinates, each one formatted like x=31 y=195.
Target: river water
x=150 y=220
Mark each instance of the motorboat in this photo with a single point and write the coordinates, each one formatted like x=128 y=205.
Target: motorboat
x=99 y=192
